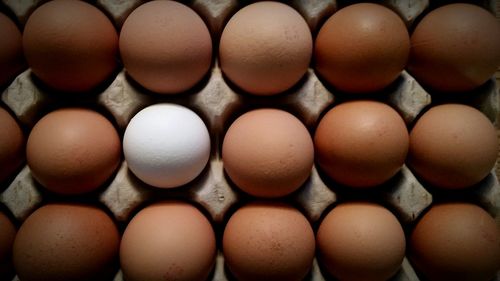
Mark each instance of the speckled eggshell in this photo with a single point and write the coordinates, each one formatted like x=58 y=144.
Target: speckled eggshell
x=362 y=48
x=7 y=236
x=70 y=45
x=12 y=144
x=165 y=46
x=64 y=241
x=265 y=48
x=454 y=48
x=73 y=150
x=166 y=145
x=361 y=143
x=268 y=152
x=168 y=241
x=453 y=146
x=456 y=241
x=11 y=51
x=268 y=241
x=360 y=241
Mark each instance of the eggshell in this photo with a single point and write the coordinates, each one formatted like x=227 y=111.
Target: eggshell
x=70 y=45
x=455 y=47
x=168 y=241
x=361 y=143
x=268 y=241
x=268 y=152
x=12 y=143
x=11 y=50
x=165 y=46
x=7 y=236
x=360 y=241
x=453 y=146
x=265 y=48
x=73 y=150
x=456 y=241
x=65 y=241
x=166 y=145
x=362 y=48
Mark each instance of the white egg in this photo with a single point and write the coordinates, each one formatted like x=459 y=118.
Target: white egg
x=166 y=145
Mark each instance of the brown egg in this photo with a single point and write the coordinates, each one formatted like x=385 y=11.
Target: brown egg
x=11 y=51
x=453 y=146
x=67 y=242
x=268 y=152
x=361 y=241
x=7 y=235
x=168 y=241
x=268 y=241
x=70 y=45
x=455 y=48
x=456 y=241
x=165 y=46
x=11 y=145
x=265 y=48
x=361 y=143
x=73 y=150
x=362 y=48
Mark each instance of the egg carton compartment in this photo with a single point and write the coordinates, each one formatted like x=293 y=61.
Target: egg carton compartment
x=219 y=102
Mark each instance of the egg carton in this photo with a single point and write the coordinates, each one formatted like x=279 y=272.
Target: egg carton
x=218 y=103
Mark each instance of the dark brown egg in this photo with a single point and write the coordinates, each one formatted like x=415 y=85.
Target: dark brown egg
x=7 y=235
x=11 y=50
x=455 y=48
x=12 y=144
x=362 y=48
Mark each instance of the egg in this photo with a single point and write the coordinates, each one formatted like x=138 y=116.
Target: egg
x=361 y=48
x=7 y=236
x=268 y=241
x=12 y=145
x=360 y=241
x=456 y=241
x=73 y=150
x=166 y=145
x=265 y=48
x=71 y=46
x=66 y=241
x=361 y=143
x=454 y=48
x=268 y=152
x=165 y=46
x=453 y=146
x=11 y=51
x=168 y=241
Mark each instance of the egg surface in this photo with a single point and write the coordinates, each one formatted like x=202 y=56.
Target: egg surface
x=11 y=51
x=166 y=145
x=265 y=48
x=7 y=236
x=70 y=45
x=12 y=144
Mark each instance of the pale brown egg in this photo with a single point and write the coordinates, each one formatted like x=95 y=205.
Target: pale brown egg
x=453 y=146
x=361 y=143
x=64 y=241
x=268 y=152
x=165 y=46
x=7 y=236
x=454 y=48
x=362 y=48
x=11 y=51
x=265 y=48
x=268 y=241
x=70 y=45
x=168 y=241
x=456 y=241
x=360 y=241
x=73 y=150
x=12 y=144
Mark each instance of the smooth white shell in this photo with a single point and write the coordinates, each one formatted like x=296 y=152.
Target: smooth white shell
x=166 y=145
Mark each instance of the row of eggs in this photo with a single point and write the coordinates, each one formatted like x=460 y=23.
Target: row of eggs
x=173 y=240
x=266 y=152
x=265 y=48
